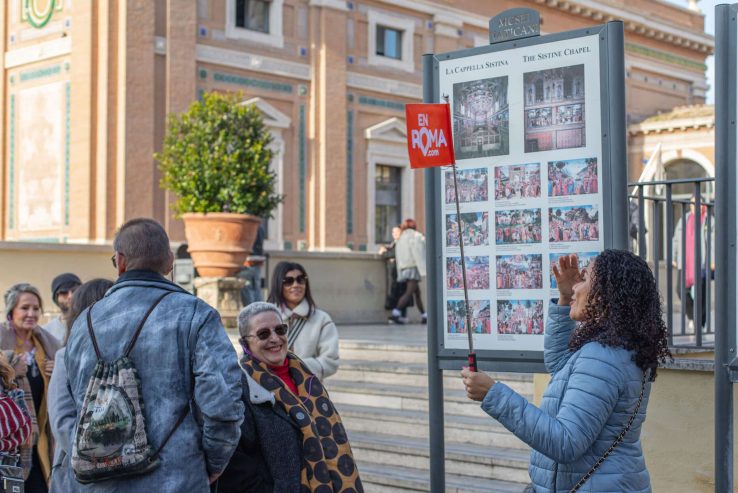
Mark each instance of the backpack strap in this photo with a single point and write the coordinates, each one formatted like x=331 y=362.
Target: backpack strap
x=133 y=340
x=180 y=420
x=92 y=332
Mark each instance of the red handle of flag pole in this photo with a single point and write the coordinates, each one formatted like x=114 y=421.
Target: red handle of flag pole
x=471 y=360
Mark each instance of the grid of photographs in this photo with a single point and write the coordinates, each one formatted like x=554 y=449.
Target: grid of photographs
x=530 y=189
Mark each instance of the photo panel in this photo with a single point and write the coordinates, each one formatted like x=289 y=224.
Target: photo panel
x=518 y=181
x=554 y=109
x=481 y=118
x=520 y=317
x=480 y=316
x=519 y=271
x=477 y=273
x=473 y=185
x=585 y=258
x=474 y=227
x=575 y=223
x=572 y=177
x=517 y=226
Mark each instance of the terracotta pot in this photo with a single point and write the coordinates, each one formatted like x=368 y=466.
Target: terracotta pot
x=219 y=242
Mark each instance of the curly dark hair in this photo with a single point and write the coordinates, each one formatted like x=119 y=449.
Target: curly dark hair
x=624 y=310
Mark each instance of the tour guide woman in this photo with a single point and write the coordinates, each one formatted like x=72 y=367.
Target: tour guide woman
x=292 y=438
x=601 y=369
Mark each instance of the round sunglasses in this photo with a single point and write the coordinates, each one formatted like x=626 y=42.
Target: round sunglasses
x=265 y=332
x=289 y=280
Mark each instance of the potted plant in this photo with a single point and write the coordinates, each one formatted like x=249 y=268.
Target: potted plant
x=215 y=158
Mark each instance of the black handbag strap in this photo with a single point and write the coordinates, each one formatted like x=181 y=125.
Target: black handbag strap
x=296 y=326
x=132 y=342
x=617 y=441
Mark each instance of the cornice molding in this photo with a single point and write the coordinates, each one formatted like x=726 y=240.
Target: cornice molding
x=330 y=4
x=253 y=62
x=384 y=85
x=589 y=9
x=680 y=124
x=38 y=53
x=634 y=22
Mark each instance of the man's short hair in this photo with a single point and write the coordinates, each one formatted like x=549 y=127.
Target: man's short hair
x=144 y=244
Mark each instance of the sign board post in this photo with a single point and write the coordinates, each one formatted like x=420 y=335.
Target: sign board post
x=539 y=138
x=726 y=184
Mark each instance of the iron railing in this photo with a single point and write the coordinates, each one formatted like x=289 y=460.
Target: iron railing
x=659 y=209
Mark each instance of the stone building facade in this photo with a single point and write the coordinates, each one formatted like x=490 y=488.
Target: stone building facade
x=87 y=85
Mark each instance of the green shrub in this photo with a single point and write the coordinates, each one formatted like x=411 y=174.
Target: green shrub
x=216 y=156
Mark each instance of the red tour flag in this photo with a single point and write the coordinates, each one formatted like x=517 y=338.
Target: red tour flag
x=429 y=139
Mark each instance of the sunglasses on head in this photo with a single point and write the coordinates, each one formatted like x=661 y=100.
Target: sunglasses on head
x=289 y=280
x=265 y=332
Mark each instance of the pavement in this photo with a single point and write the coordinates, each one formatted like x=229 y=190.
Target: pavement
x=410 y=334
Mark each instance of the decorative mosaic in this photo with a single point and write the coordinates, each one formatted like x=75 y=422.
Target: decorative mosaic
x=302 y=166
x=249 y=82
x=381 y=103
x=349 y=172
x=11 y=194
x=40 y=73
x=38 y=13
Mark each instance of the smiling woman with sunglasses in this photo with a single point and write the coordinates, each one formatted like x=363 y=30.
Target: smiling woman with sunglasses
x=312 y=334
x=292 y=438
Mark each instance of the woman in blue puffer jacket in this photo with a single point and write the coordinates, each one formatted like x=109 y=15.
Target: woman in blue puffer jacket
x=601 y=373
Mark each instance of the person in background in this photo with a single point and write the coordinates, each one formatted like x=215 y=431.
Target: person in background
x=15 y=420
x=187 y=366
x=292 y=437
x=62 y=290
x=410 y=258
x=686 y=274
x=62 y=412
x=251 y=272
x=312 y=336
x=31 y=351
x=396 y=288
x=604 y=340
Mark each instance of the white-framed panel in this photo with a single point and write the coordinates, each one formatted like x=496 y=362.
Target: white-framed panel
x=404 y=24
x=276 y=121
x=387 y=146
x=272 y=38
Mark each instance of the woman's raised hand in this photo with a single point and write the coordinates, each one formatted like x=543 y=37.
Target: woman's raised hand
x=567 y=274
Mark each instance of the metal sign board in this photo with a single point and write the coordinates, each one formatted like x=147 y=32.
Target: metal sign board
x=539 y=137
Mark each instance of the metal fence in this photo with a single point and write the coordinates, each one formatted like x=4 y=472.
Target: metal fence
x=663 y=231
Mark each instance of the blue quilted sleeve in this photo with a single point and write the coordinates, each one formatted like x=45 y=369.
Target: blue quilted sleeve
x=591 y=394
x=556 y=340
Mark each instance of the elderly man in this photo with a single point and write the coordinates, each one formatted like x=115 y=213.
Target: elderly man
x=184 y=360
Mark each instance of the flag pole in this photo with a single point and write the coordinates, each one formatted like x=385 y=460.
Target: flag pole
x=472 y=356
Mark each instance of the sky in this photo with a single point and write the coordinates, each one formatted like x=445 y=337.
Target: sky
x=708 y=8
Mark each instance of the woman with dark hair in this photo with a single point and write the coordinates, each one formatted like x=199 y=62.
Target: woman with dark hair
x=312 y=334
x=62 y=411
x=31 y=351
x=604 y=340
x=410 y=260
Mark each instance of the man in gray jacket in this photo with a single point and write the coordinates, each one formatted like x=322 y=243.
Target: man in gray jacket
x=183 y=357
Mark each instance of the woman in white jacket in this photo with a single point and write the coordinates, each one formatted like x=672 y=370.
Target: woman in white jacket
x=410 y=259
x=312 y=334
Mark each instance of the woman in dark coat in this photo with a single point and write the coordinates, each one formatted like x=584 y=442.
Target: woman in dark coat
x=292 y=438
